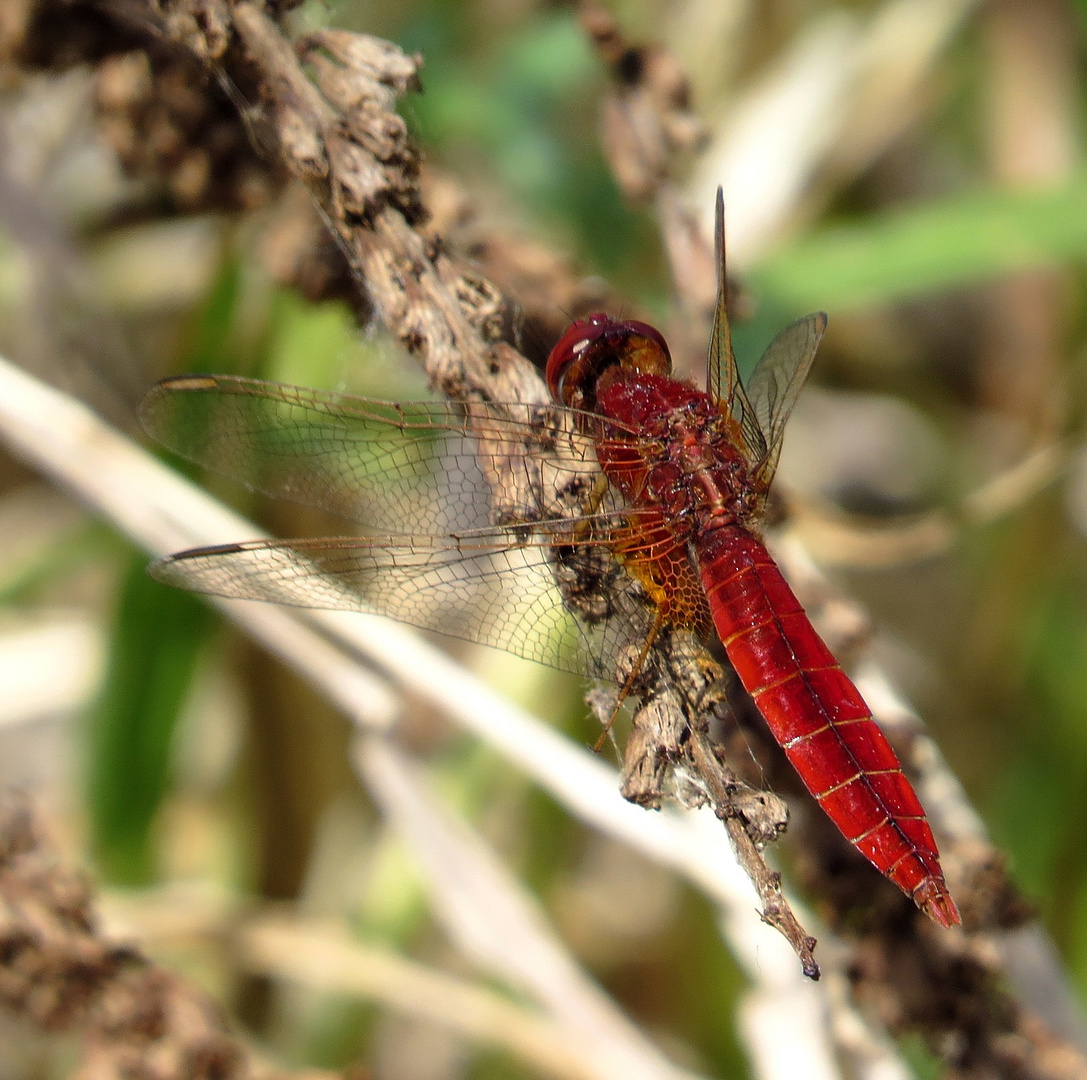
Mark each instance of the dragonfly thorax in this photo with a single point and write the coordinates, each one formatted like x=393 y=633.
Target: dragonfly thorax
x=701 y=474
x=684 y=458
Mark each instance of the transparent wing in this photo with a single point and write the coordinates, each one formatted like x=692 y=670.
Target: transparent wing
x=723 y=377
x=413 y=467
x=484 y=587
x=776 y=382
x=425 y=472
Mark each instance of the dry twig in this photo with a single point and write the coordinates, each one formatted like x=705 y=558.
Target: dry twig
x=60 y=974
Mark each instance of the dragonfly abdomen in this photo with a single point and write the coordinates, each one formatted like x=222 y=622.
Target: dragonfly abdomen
x=818 y=716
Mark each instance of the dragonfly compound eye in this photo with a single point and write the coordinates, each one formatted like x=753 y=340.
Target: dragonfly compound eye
x=591 y=346
x=569 y=354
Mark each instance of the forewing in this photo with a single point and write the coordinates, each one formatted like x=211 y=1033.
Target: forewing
x=484 y=587
x=413 y=467
x=776 y=382
x=723 y=377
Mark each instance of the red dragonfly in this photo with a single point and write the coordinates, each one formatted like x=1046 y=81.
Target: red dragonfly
x=655 y=484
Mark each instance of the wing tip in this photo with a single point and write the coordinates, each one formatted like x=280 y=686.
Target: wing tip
x=166 y=568
x=148 y=409
x=187 y=382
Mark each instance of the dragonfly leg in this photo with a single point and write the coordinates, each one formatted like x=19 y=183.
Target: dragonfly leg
x=628 y=682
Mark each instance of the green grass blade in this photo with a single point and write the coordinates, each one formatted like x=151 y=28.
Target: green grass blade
x=955 y=242
x=157 y=637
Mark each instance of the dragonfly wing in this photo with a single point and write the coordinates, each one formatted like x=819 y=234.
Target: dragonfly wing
x=776 y=382
x=482 y=588
x=723 y=377
x=412 y=467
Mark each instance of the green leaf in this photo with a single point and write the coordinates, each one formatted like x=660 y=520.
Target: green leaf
x=955 y=242
x=210 y=348
x=157 y=635
x=1081 y=6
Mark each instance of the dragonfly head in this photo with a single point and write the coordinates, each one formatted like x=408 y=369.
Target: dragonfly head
x=600 y=347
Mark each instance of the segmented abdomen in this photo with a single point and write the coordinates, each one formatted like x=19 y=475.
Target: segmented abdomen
x=818 y=716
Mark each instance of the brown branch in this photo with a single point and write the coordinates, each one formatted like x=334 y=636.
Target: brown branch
x=724 y=789
x=649 y=132
x=60 y=974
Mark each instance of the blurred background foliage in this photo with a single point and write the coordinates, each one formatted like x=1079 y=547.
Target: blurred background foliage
x=950 y=250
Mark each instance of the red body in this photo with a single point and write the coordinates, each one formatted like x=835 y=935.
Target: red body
x=818 y=717
x=692 y=465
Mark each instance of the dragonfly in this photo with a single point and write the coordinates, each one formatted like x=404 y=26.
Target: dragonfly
x=491 y=522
